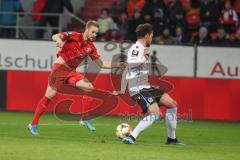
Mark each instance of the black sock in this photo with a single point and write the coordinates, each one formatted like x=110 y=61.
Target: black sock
x=170 y=139
x=132 y=138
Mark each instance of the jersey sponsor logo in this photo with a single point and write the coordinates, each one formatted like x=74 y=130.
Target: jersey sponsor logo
x=135 y=53
x=69 y=34
x=150 y=100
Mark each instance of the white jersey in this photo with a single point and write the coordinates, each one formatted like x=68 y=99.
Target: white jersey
x=138 y=69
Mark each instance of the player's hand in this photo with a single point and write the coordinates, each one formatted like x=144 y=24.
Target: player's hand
x=146 y=53
x=115 y=93
x=59 y=43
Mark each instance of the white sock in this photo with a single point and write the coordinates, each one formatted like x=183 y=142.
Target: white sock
x=144 y=124
x=171 y=122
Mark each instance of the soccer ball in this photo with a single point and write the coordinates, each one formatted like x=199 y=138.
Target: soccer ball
x=123 y=130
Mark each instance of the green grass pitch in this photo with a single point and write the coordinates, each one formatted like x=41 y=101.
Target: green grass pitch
x=60 y=140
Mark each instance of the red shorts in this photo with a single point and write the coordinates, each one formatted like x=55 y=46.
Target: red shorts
x=62 y=75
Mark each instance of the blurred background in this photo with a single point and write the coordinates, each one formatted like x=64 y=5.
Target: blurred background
x=204 y=22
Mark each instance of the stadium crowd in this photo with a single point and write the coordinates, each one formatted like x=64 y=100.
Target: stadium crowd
x=204 y=22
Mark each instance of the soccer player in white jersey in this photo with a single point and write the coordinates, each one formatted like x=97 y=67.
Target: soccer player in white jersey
x=147 y=96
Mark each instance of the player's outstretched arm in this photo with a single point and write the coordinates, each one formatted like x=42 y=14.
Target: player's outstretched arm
x=109 y=65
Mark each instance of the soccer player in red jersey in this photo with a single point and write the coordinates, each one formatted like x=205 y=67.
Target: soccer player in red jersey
x=74 y=48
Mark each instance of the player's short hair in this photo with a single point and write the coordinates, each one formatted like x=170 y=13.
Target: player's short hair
x=92 y=23
x=143 y=29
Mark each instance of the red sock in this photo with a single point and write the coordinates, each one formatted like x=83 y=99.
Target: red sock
x=87 y=105
x=41 y=108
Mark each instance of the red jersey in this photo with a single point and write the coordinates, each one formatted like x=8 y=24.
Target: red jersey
x=75 y=49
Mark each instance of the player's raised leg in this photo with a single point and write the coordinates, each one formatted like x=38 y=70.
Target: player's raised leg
x=171 y=118
x=154 y=114
x=41 y=108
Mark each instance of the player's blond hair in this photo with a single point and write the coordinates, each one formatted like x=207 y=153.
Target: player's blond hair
x=92 y=23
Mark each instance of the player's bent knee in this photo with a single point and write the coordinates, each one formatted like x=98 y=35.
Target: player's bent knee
x=50 y=93
x=89 y=87
x=85 y=86
x=154 y=109
x=173 y=104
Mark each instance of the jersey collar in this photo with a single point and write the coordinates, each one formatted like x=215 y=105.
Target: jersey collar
x=140 y=44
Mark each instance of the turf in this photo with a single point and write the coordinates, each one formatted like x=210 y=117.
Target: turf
x=61 y=140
